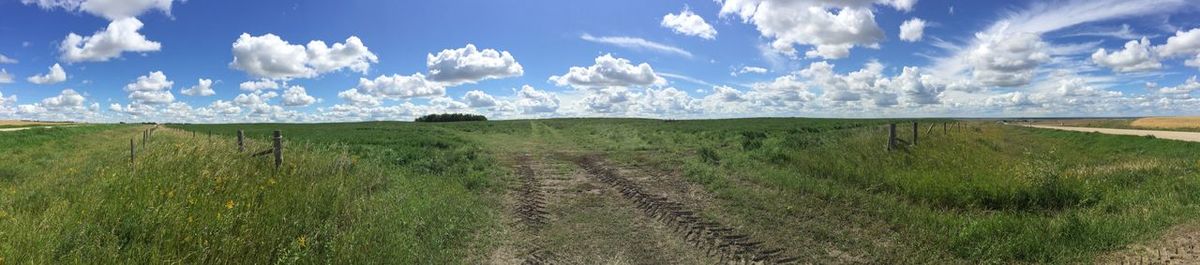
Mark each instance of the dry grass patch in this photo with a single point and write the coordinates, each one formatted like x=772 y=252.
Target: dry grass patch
x=1167 y=122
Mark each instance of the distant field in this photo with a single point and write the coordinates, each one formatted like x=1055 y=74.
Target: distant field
x=503 y=192
x=16 y=123
x=1168 y=122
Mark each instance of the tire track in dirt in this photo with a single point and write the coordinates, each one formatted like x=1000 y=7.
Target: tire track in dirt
x=531 y=210
x=713 y=238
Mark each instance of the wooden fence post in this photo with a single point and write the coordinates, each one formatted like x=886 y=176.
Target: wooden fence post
x=891 y=144
x=278 y=137
x=131 y=152
x=241 y=135
x=914 y=133
x=944 y=130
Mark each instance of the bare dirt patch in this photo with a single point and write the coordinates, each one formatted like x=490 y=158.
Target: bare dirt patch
x=720 y=241
x=1177 y=246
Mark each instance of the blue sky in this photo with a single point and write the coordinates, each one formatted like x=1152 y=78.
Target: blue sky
x=531 y=59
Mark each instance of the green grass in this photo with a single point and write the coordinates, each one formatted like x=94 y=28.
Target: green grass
x=426 y=193
x=71 y=197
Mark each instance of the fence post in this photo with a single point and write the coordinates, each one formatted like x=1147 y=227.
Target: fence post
x=278 y=137
x=944 y=130
x=131 y=148
x=891 y=144
x=914 y=133
x=241 y=135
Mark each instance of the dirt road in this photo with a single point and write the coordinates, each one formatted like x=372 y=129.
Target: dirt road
x=1172 y=135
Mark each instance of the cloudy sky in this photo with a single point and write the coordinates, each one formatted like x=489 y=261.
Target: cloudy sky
x=308 y=61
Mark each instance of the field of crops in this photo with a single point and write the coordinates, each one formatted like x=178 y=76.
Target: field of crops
x=589 y=191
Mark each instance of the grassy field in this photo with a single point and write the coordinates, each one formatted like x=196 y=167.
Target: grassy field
x=72 y=197
x=392 y=192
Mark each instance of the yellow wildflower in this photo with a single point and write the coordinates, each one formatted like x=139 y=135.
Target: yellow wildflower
x=303 y=241
x=229 y=204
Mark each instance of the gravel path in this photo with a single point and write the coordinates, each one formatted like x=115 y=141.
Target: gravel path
x=1172 y=135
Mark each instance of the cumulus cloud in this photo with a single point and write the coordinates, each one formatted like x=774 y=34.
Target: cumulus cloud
x=120 y=36
x=295 y=96
x=479 y=99
x=110 y=9
x=6 y=59
x=67 y=99
x=637 y=44
x=1007 y=59
x=258 y=85
x=831 y=28
x=202 y=88
x=609 y=71
x=1182 y=90
x=1183 y=44
x=470 y=65
x=688 y=23
x=151 y=89
x=270 y=57
x=912 y=30
x=359 y=99
x=56 y=75
x=532 y=101
x=1136 y=57
x=370 y=92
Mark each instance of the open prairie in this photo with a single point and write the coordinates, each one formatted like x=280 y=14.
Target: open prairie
x=587 y=191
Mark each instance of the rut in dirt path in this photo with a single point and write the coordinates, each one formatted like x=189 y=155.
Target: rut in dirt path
x=531 y=209
x=715 y=239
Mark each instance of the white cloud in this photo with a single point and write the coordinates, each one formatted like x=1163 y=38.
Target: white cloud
x=1136 y=57
x=352 y=54
x=295 y=96
x=831 y=28
x=470 y=65
x=479 y=99
x=56 y=75
x=609 y=71
x=5 y=77
x=270 y=57
x=203 y=87
x=359 y=99
x=637 y=44
x=1182 y=90
x=1007 y=59
x=151 y=89
x=532 y=101
x=1183 y=44
x=749 y=70
x=68 y=99
x=224 y=107
x=262 y=84
x=912 y=30
x=120 y=36
x=6 y=59
x=370 y=92
x=110 y=9
x=257 y=103
x=1018 y=56
x=688 y=23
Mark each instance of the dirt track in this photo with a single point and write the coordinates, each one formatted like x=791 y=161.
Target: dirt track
x=1172 y=135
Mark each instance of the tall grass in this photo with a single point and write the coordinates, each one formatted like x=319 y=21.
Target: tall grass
x=191 y=200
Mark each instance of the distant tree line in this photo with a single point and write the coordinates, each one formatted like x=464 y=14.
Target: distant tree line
x=451 y=117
